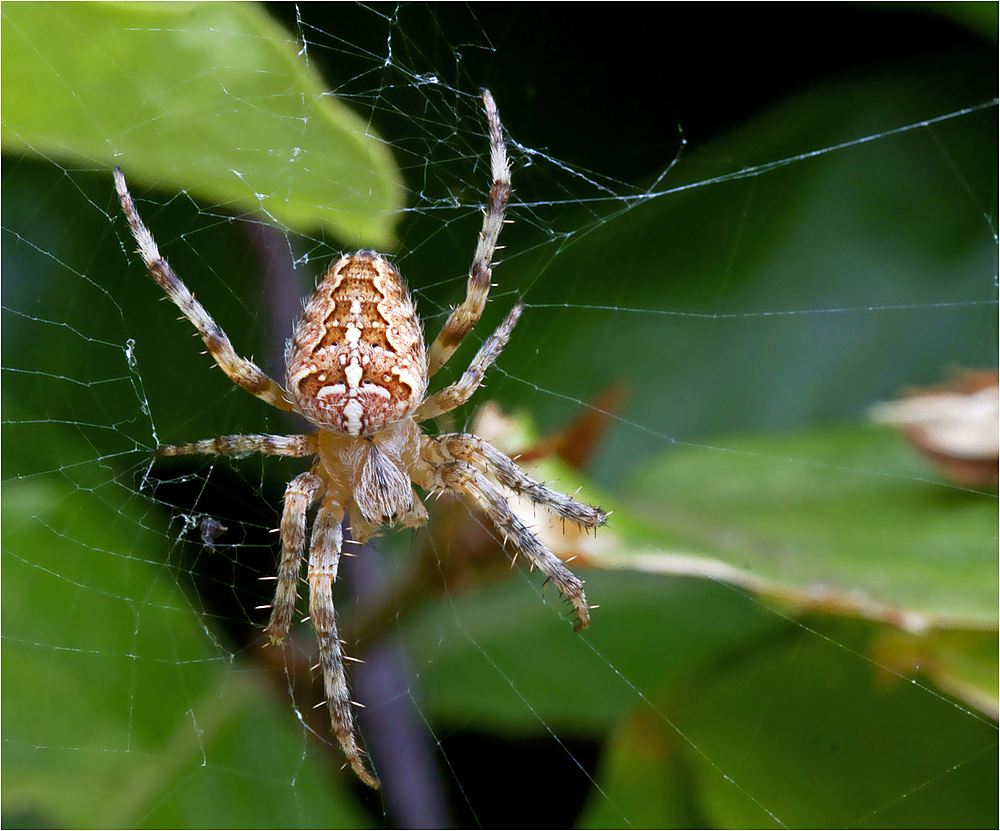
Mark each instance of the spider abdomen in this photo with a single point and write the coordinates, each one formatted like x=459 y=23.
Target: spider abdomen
x=356 y=361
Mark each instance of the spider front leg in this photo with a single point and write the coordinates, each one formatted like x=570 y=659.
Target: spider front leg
x=458 y=393
x=464 y=317
x=324 y=557
x=243 y=372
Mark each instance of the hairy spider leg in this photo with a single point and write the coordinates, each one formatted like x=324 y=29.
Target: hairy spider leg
x=242 y=372
x=458 y=393
x=464 y=317
x=470 y=448
x=244 y=445
x=462 y=478
x=324 y=558
x=299 y=497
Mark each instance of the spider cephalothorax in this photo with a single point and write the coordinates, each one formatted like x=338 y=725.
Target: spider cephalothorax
x=357 y=369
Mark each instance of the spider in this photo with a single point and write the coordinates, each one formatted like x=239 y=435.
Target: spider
x=357 y=369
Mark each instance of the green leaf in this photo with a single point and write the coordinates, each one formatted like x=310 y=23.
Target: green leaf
x=806 y=735
x=844 y=518
x=773 y=282
x=210 y=98
x=800 y=733
x=124 y=712
x=502 y=659
x=642 y=780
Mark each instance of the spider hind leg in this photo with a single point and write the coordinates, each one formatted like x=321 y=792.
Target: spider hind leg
x=324 y=557
x=299 y=496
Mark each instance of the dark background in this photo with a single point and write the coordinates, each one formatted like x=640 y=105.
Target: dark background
x=586 y=80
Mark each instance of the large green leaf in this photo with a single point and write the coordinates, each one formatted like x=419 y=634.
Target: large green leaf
x=211 y=98
x=120 y=711
x=799 y=733
x=646 y=631
x=846 y=518
x=742 y=301
x=841 y=519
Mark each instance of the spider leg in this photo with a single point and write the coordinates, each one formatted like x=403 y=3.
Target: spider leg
x=243 y=372
x=458 y=393
x=469 y=448
x=324 y=557
x=299 y=495
x=242 y=445
x=464 y=317
x=461 y=477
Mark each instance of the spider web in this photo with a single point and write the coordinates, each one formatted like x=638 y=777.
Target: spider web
x=797 y=615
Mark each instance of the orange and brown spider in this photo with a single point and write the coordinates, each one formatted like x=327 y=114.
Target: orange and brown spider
x=358 y=370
